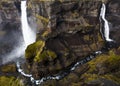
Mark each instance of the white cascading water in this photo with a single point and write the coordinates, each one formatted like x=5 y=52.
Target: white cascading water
x=106 y=25
x=29 y=37
x=28 y=34
x=29 y=41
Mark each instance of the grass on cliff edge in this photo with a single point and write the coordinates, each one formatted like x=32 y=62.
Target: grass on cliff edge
x=10 y=81
x=104 y=66
x=36 y=52
x=34 y=49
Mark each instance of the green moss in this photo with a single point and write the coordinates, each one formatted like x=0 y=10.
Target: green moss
x=92 y=64
x=34 y=49
x=8 y=68
x=113 y=62
x=76 y=84
x=46 y=55
x=112 y=78
x=90 y=77
x=9 y=81
x=110 y=63
x=51 y=54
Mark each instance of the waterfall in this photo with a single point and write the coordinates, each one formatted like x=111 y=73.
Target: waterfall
x=29 y=37
x=28 y=34
x=106 y=25
x=58 y=76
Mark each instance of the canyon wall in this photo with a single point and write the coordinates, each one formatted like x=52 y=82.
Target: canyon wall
x=67 y=31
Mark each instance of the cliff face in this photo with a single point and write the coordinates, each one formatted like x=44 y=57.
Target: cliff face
x=113 y=16
x=70 y=30
x=9 y=26
x=10 y=35
x=67 y=31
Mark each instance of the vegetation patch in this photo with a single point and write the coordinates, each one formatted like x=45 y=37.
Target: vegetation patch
x=10 y=81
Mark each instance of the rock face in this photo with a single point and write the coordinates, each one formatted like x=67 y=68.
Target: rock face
x=67 y=31
x=9 y=26
x=10 y=35
x=113 y=16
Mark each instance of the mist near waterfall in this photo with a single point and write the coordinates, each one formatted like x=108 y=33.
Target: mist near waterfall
x=9 y=41
x=17 y=52
x=28 y=37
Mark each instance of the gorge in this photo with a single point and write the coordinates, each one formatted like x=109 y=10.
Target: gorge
x=68 y=38
x=62 y=75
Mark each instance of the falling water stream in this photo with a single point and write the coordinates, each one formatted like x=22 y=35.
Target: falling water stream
x=29 y=37
x=28 y=34
x=106 y=25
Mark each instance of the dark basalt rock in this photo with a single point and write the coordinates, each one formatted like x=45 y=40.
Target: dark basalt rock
x=72 y=33
x=113 y=16
x=68 y=30
x=72 y=36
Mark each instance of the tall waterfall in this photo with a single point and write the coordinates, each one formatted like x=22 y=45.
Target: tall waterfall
x=28 y=34
x=106 y=26
x=58 y=76
x=29 y=37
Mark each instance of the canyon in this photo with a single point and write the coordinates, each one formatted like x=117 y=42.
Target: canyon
x=67 y=32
